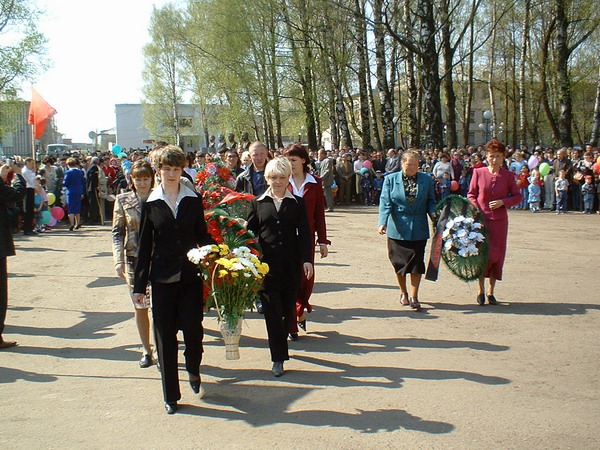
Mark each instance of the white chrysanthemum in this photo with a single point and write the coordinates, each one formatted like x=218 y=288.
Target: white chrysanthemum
x=461 y=233
x=194 y=255
x=459 y=219
x=446 y=233
x=476 y=226
x=450 y=224
x=242 y=252
x=448 y=244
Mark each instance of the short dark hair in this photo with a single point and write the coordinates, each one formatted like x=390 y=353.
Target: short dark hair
x=299 y=151
x=171 y=155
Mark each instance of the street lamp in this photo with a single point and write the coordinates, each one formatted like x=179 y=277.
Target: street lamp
x=487 y=115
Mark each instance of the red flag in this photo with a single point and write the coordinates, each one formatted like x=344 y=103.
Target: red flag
x=39 y=113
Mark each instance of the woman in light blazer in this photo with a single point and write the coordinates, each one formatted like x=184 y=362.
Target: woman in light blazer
x=125 y=233
x=406 y=199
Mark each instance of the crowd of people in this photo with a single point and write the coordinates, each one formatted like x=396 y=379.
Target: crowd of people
x=157 y=216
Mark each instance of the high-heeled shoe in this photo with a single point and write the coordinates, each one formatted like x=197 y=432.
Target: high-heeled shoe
x=302 y=324
x=277 y=369
x=414 y=303
x=195 y=385
x=492 y=300
x=404 y=299
x=481 y=299
x=294 y=336
x=171 y=407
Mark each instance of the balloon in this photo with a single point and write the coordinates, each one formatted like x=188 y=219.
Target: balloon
x=368 y=164
x=533 y=162
x=51 y=198
x=52 y=222
x=57 y=212
x=598 y=160
x=46 y=217
x=544 y=169
x=364 y=170
x=116 y=149
x=454 y=186
x=596 y=168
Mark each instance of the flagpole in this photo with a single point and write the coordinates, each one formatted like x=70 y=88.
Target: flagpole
x=33 y=143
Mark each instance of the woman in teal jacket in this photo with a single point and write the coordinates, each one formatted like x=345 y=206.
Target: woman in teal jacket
x=406 y=199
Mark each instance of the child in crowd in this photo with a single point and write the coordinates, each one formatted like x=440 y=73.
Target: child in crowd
x=535 y=191
x=40 y=203
x=377 y=186
x=464 y=182
x=523 y=183
x=561 y=188
x=367 y=187
x=587 y=192
x=445 y=185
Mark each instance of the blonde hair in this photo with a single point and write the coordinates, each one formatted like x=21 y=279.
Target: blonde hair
x=410 y=153
x=279 y=166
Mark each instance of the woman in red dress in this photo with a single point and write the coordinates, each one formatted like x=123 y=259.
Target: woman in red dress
x=493 y=190
x=309 y=187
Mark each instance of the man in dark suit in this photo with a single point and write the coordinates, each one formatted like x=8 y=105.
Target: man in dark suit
x=252 y=180
x=172 y=223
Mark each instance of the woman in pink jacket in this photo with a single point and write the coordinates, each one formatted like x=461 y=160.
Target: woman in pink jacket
x=493 y=190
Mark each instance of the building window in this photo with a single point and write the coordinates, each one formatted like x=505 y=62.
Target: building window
x=472 y=117
x=185 y=122
x=471 y=137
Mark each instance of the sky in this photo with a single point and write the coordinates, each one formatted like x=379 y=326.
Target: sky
x=95 y=58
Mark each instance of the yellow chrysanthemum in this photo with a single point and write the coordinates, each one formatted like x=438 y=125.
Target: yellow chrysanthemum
x=222 y=273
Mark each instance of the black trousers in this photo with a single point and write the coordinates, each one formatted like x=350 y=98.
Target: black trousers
x=278 y=304
x=94 y=210
x=3 y=293
x=177 y=306
x=29 y=206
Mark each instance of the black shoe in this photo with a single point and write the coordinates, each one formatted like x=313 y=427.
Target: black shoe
x=481 y=299
x=171 y=407
x=71 y=228
x=302 y=324
x=259 y=306
x=195 y=385
x=492 y=300
x=277 y=369
x=146 y=361
x=294 y=336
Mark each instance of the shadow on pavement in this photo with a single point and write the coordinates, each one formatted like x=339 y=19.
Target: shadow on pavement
x=93 y=326
x=525 y=308
x=8 y=375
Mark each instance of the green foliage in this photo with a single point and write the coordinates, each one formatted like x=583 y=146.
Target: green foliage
x=22 y=46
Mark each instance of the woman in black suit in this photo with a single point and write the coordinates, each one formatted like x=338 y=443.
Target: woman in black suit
x=172 y=223
x=278 y=219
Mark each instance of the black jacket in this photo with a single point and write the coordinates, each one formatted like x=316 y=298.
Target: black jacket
x=165 y=241
x=284 y=238
x=8 y=196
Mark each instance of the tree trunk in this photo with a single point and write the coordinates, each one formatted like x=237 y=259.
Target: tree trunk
x=522 y=69
x=469 y=99
x=564 y=81
x=595 y=136
x=363 y=94
x=385 y=97
x=374 y=115
x=414 y=124
x=544 y=81
x=448 y=79
x=430 y=73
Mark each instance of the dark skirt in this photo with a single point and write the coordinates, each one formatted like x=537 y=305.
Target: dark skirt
x=407 y=256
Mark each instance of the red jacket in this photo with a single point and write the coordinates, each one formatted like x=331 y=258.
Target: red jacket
x=314 y=199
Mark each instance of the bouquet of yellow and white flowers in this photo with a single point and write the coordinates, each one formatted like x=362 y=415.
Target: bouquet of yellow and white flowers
x=234 y=277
